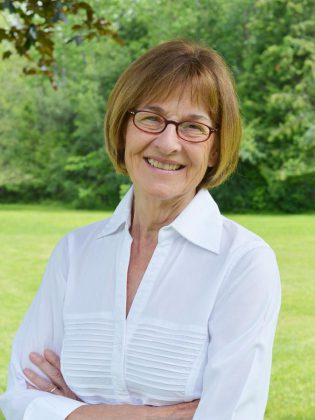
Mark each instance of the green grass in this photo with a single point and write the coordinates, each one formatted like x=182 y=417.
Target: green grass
x=28 y=234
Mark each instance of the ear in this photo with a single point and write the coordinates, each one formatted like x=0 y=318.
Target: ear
x=213 y=157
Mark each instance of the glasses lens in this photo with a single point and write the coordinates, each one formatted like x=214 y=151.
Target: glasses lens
x=193 y=131
x=149 y=121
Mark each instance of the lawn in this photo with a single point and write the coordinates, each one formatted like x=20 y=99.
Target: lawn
x=28 y=234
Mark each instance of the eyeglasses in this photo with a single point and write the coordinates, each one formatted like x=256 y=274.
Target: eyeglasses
x=153 y=123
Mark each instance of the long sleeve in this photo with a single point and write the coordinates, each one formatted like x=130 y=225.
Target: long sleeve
x=41 y=328
x=242 y=328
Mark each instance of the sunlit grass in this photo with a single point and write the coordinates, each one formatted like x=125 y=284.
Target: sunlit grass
x=292 y=395
x=28 y=234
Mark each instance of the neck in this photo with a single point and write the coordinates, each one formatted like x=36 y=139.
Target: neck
x=150 y=214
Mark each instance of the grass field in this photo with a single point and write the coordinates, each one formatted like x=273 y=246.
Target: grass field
x=28 y=234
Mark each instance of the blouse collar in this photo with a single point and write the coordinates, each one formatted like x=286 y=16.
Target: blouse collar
x=200 y=222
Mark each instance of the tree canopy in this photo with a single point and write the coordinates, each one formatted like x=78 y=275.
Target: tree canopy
x=52 y=141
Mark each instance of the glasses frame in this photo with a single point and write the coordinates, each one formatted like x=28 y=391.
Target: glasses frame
x=167 y=122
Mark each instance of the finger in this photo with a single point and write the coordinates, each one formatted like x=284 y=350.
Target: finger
x=52 y=372
x=52 y=358
x=40 y=383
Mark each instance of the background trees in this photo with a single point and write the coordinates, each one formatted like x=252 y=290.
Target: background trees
x=52 y=141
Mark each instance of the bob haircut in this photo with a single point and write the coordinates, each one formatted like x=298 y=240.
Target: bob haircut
x=166 y=70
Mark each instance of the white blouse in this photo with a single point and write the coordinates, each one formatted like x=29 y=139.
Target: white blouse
x=201 y=325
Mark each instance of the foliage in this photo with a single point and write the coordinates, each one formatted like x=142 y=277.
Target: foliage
x=278 y=90
x=33 y=23
x=52 y=141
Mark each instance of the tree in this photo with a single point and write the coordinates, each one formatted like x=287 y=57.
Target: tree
x=52 y=141
x=31 y=26
x=278 y=91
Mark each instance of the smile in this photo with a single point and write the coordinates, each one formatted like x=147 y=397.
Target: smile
x=163 y=166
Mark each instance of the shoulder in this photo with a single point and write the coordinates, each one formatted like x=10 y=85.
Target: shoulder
x=236 y=240
x=244 y=248
x=252 y=268
x=78 y=238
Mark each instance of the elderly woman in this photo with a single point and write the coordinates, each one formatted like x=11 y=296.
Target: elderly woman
x=166 y=310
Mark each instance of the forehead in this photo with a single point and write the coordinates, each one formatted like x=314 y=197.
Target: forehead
x=176 y=93
x=179 y=104
x=181 y=94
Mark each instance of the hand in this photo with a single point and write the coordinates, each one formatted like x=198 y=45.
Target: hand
x=50 y=365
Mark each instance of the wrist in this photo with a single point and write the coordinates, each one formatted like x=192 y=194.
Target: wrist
x=113 y=412
x=166 y=412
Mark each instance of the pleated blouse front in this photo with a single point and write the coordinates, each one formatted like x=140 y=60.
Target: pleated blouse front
x=155 y=356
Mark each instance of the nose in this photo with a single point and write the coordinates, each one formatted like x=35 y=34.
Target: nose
x=168 y=141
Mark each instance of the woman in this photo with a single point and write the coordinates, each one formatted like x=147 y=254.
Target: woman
x=166 y=310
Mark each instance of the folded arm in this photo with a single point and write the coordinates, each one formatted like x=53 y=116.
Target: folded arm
x=242 y=327
x=49 y=364
x=41 y=328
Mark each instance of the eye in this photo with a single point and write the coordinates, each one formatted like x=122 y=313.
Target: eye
x=147 y=117
x=149 y=121
x=151 y=117
x=193 y=128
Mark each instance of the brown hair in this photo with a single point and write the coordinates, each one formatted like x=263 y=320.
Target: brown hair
x=157 y=74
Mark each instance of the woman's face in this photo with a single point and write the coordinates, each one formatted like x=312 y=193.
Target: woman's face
x=148 y=156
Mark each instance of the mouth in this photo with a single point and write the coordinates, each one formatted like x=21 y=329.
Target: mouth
x=163 y=165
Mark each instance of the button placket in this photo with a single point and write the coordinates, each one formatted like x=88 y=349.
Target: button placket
x=124 y=327
x=118 y=357
x=149 y=278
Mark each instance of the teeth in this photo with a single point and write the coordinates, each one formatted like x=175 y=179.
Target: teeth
x=165 y=166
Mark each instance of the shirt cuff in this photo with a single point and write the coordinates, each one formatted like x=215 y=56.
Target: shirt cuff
x=51 y=407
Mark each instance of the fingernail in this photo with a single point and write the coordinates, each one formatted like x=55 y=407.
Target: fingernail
x=28 y=372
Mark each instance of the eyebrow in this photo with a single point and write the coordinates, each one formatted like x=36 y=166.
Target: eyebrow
x=160 y=110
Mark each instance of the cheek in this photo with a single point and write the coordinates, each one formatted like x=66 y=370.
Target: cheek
x=199 y=165
x=210 y=155
x=202 y=158
x=136 y=140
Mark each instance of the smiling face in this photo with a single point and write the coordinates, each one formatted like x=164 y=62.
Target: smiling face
x=163 y=166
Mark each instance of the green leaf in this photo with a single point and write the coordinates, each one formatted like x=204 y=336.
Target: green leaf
x=6 y=54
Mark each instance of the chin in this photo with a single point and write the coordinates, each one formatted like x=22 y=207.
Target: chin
x=165 y=192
